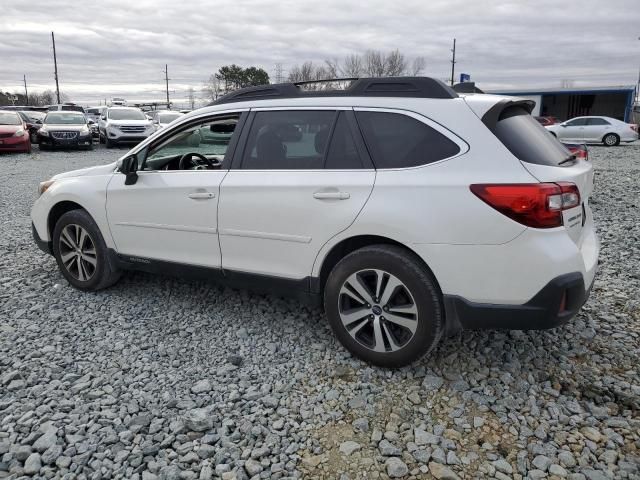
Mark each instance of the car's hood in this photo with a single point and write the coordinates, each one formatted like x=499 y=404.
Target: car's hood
x=98 y=170
x=117 y=123
x=10 y=128
x=69 y=128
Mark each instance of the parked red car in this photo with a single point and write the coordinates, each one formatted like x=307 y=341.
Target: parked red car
x=14 y=134
x=544 y=121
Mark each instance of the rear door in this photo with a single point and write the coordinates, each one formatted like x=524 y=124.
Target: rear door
x=595 y=129
x=301 y=178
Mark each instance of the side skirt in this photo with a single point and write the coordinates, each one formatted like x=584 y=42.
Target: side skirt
x=262 y=284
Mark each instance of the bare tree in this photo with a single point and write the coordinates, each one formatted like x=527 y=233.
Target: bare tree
x=374 y=63
x=192 y=97
x=417 y=66
x=213 y=88
x=352 y=66
x=394 y=63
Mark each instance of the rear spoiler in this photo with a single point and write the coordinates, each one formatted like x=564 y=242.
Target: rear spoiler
x=495 y=113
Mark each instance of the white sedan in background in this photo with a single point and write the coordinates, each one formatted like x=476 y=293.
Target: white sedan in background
x=162 y=118
x=606 y=130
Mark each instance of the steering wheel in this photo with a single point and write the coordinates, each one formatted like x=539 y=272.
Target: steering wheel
x=201 y=163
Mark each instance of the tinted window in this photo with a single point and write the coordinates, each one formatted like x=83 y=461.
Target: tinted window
x=342 y=152
x=65 y=118
x=578 y=122
x=527 y=139
x=288 y=140
x=597 y=121
x=72 y=108
x=399 y=141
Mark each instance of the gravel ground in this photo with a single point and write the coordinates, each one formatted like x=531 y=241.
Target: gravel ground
x=160 y=378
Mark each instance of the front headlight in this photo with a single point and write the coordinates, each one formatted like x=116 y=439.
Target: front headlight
x=19 y=133
x=44 y=132
x=84 y=129
x=44 y=186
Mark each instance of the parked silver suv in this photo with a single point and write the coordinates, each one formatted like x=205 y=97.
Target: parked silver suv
x=123 y=124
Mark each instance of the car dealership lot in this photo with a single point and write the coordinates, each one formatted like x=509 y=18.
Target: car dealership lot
x=181 y=379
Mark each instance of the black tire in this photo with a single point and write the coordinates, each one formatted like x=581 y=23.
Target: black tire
x=104 y=274
x=611 y=140
x=100 y=139
x=424 y=295
x=33 y=137
x=109 y=143
x=43 y=146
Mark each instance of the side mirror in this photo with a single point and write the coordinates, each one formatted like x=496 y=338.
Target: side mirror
x=91 y=122
x=563 y=125
x=130 y=168
x=156 y=121
x=103 y=117
x=39 y=122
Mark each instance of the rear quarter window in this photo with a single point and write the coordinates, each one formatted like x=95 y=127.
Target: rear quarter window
x=395 y=140
x=527 y=140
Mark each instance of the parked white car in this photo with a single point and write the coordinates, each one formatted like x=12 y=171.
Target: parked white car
x=606 y=130
x=162 y=118
x=123 y=124
x=406 y=210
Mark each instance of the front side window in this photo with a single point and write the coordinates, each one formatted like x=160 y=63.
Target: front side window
x=288 y=140
x=398 y=141
x=578 y=122
x=207 y=141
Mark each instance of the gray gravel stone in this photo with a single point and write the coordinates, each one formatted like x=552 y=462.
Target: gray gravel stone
x=33 y=464
x=396 y=468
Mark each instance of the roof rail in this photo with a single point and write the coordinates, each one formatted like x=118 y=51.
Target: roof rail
x=412 y=87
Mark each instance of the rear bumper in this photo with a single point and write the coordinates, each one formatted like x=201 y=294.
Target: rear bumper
x=545 y=310
x=15 y=144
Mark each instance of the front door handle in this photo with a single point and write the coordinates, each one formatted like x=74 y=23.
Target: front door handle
x=331 y=195
x=201 y=195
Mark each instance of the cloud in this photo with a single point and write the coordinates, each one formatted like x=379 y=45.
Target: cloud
x=120 y=47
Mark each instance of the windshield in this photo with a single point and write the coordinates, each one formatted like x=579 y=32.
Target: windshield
x=33 y=116
x=122 y=114
x=64 y=118
x=10 y=118
x=168 y=117
x=527 y=139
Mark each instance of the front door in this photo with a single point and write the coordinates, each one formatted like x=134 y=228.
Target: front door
x=572 y=130
x=171 y=212
x=301 y=180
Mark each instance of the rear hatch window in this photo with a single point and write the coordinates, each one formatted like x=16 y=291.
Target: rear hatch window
x=528 y=140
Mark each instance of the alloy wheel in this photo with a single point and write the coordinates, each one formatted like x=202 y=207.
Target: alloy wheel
x=78 y=252
x=378 y=310
x=610 y=140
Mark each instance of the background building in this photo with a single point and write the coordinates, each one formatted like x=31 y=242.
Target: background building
x=565 y=103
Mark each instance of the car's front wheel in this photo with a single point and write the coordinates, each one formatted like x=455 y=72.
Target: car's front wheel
x=81 y=253
x=384 y=305
x=611 y=140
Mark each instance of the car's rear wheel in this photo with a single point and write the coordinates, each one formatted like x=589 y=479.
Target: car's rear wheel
x=81 y=253
x=384 y=306
x=611 y=140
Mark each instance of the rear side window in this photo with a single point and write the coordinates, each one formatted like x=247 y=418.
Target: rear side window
x=342 y=152
x=288 y=140
x=527 y=140
x=597 y=121
x=399 y=141
x=578 y=122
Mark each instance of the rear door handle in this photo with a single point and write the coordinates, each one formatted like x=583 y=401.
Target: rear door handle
x=201 y=195
x=331 y=195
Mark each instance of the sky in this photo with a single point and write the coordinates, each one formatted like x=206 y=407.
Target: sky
x=120 y=47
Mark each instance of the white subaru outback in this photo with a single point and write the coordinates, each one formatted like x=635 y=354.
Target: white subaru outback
x=407 y=210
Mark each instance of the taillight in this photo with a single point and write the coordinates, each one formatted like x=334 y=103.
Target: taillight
x=537 y=205
x=634 y=127
x=579 y=152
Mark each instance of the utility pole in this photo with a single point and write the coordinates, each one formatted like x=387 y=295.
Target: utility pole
x=55 y=64
x=166 y=79
x=453 y=61
x=26 y=94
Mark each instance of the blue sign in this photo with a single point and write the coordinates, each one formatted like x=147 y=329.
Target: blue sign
x=465 y=77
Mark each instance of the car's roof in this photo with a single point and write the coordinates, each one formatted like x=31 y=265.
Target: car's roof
x=120 y=107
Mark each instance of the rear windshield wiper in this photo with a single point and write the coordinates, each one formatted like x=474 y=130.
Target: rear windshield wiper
x=570 y=158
